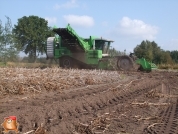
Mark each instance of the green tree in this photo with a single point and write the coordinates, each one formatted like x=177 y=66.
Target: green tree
x=7 y=50
x=30 y=34
x=152 y=52
x=174 y=56
x=145 y=49
x=165 y=57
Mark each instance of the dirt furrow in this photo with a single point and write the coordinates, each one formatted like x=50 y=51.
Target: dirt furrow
x=143 y=103
x=168 y=123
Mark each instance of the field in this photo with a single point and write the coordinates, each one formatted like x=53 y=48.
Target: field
x=61 y=101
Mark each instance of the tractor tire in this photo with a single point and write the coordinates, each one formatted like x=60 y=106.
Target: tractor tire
x=125 y=63
x=66 y=62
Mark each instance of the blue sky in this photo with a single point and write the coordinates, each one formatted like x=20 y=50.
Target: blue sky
x=127 y=22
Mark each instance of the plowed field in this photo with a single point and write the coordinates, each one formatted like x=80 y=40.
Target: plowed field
x=57 y=101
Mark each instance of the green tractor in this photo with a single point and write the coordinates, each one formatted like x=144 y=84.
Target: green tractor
x=74 y=51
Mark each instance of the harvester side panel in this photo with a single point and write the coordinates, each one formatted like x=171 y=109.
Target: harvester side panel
x=71 y=40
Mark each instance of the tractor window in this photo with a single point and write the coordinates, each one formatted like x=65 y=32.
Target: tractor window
x=102 y=45
x=99 y=44
x=105 y=47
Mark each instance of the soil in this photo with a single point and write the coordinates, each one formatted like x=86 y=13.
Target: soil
x=137 y=103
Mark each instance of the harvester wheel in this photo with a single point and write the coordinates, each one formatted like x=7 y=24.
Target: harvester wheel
x=65 y=62
x=125 y=63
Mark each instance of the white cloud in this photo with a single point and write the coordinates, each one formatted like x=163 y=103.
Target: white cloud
x=130 y=32
x=137 y=29
x=51 y=20
x=68 y=4
x=81 y=21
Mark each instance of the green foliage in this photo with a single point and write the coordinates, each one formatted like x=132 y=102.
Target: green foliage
x=1 y=38
x=30 y=35
x=166 y=58
x=174 y=56
x=7 y=49
x=145 y=49
x=151 y=52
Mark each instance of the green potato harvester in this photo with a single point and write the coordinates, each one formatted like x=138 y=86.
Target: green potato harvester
x=73 y=51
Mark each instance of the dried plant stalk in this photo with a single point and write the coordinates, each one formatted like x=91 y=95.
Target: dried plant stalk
x=22 y=80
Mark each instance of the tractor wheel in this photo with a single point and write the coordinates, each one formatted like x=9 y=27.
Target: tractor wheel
x=125 y=63
x=65 y=62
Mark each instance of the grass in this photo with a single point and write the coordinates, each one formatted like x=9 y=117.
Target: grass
x=2 y=64
x=168 y=66
x=27 y=65
x=44 y=65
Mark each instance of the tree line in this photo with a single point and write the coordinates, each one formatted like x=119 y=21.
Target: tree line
x=30 y=33
x=153 y=53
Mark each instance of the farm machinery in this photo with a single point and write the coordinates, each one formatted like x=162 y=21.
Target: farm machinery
x=74 y=51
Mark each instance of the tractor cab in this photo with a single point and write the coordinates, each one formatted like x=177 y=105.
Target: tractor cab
x=102 y=44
